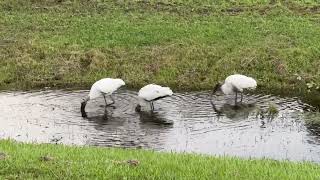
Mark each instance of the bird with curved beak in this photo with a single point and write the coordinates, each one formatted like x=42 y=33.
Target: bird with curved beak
x=216 y=88
x=235 y=84
x=151 y=93
x=104 y=87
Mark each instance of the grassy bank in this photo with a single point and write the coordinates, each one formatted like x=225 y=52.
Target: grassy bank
x=30 y=161
x=184 y=44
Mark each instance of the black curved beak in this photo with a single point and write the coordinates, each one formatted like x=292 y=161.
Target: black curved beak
x=83 y=107
x=215 y=89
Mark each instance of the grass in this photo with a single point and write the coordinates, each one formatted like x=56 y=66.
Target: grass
x=313 y=119
x=45 y=161
x=185 y=44
x=272 y=109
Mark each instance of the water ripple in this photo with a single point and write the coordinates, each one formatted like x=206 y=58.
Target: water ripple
x=186 y=122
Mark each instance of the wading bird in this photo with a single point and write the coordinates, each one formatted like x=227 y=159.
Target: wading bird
x=235 y=84
x=104 y=87
x=151 y=93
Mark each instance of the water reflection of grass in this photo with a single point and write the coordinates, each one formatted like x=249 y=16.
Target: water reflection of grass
x=29 y=161
x=312 y=118
x=270 y=113
x=312 y=121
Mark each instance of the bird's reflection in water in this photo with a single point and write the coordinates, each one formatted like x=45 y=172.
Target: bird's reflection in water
x=312 y=124
x=100 y=117
x=237 y=112
x=154 y=118
x=105 y=120
x=143 y=129
x=242 y=111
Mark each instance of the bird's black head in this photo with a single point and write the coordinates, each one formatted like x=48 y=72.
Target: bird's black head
x=138 y=108
x=216 y=88
x=83 y=108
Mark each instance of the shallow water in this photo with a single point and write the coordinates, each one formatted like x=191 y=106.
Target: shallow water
x=185 y=122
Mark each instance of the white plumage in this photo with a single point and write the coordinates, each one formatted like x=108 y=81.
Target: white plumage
x=237 y=83
x=105 y=86
x=152 y=92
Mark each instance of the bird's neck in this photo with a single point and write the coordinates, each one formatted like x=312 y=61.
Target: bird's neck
x=83 y=106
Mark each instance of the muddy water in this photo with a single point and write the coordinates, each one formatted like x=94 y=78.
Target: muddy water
x=186 y=122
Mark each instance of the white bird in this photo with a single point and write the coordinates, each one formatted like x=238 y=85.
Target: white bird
x=152 y=92
x=104 y=87
x=235 y=84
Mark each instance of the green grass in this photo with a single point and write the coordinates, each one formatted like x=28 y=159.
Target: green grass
x=26 y=161
x=185 y=44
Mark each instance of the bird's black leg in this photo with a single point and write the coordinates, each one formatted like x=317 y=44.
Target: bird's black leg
x=104 y=97
x=235 y=100
x=151 y=105
x=112 y=100
x=105 y=115
x=241 y=97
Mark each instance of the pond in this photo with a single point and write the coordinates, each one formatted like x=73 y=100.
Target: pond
x=185 y=122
